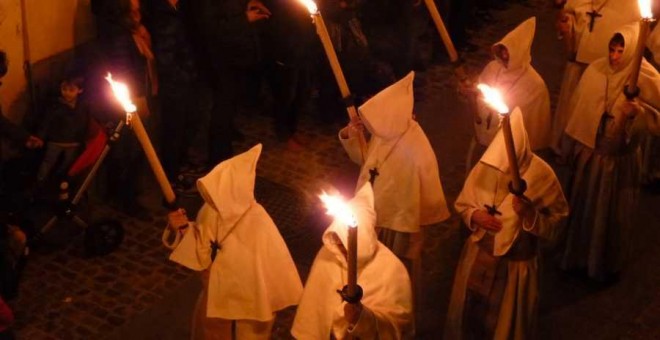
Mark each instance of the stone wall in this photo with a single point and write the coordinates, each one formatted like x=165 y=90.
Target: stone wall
x=54 y=29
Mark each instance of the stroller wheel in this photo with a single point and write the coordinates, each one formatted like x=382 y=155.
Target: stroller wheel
x=103 y=237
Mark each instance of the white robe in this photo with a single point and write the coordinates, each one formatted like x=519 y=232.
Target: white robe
x=387 y=296
x=589 y=47
x=606 y=162
x=520 y=85
x=407 y=191
x=253 y=275
x=487 y=185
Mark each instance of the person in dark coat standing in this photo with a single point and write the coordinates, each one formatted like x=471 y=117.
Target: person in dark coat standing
x=288 y=39
x=182 y=116
x=227 y=33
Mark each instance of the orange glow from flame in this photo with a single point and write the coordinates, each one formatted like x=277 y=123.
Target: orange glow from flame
x=311 y=6
x=493 y=98
x=645 y=9
x=337 y=208
x=122 y=94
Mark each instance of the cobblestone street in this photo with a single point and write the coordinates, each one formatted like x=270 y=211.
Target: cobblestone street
x=136 y=293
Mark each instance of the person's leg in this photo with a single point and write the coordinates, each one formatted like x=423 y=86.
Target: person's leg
x=50 y=159
x=203 y=327
x=253 y=330
x=173 y=130
x=69 y=155
x=283 y=84
x=198 y=130
x=224 y=106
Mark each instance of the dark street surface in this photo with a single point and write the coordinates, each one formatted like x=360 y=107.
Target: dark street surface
x=136 y=293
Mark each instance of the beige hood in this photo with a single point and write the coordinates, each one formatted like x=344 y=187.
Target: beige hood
x=519 y=44
x=601 y=86
x=388 y=114
x=496 y=155
x=229 y=187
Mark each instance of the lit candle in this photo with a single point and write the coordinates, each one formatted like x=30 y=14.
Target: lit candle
x=493 y=98
x=631 y=91
x=340 y=210
x=123 y=96
x=330 y=53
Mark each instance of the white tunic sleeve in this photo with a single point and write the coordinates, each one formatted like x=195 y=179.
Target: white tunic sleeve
x=352 y=147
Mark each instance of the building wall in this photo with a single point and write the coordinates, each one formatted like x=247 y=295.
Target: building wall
x=54 y=27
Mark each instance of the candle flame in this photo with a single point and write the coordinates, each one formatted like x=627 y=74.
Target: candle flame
x=493 y=97
x=645 y=9
x=336 y=207
x=122 y=94
x=311 y=6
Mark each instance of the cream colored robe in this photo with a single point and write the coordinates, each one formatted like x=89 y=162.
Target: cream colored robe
x=253 y=275
x=520 y=86
x=408 y=192
x=604 y=181
x=590 y=46
x=387 y=296
x=487 y=184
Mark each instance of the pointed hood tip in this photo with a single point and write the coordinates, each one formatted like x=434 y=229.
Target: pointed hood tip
x=229 y=187
x=519 y=44
x=388 y=113
x=496 y=155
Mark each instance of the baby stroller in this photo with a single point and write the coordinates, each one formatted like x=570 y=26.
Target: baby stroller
x=101 y=237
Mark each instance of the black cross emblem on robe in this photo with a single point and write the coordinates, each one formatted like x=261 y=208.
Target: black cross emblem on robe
x=373 y=172
x=215 y=246
x=492 y=210
x=593 y=15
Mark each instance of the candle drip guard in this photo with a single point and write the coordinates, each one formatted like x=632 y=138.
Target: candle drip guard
x=355 y=298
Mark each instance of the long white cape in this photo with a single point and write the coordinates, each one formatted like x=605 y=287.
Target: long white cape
x=253 y=274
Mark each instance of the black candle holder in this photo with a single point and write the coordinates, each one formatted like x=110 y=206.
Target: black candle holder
x=355 y=298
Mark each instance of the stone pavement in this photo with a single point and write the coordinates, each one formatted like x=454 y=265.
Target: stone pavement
x=136 y=293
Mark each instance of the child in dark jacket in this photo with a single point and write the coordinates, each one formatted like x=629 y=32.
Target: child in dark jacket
x=64 y=129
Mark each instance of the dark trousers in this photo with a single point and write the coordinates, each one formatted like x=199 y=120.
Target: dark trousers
x=183 y=122
x=228 y=89
x=291 y=93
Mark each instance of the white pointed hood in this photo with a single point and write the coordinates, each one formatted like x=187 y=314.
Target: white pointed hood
x=252 y=274
x=229 y=187
x=381 y=275
x=388 y=114
x=362 y=206
x=601 y=87
x=519 y=44
x=486 y=185
x=496 y=155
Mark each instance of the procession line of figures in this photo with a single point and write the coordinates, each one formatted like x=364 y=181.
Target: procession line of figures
x=249 y=275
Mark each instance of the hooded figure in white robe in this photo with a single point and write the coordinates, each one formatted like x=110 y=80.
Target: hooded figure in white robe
x=604 y=186
x=407 y=189
x=403 y=170
x=586 y=47
x=250 y=275
x=496 y=288
x=387 y=301
x=520 y=85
